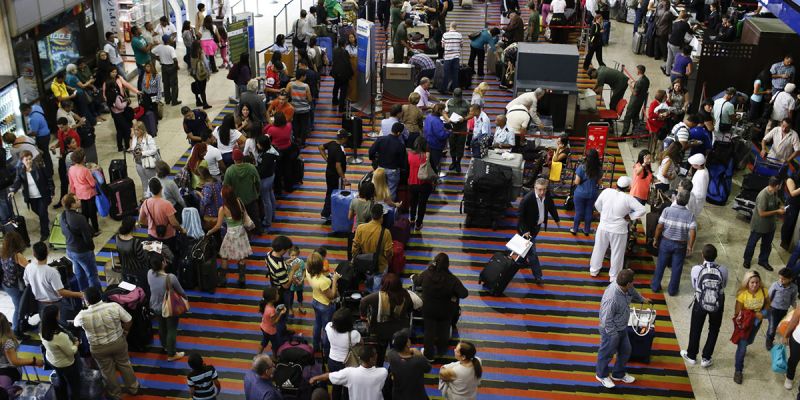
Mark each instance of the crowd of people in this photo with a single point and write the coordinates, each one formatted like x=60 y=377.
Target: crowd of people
x=236 y=172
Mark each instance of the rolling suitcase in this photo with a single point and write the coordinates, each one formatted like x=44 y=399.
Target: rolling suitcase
x=498 y=273
x=641 y=346
x=340 y=205
x=355 y=125
x=637 y=43
x=397 y=263
x=465 y=77
x=438 y=77
x=122 y=195
x=17 y=223
x=204 y=255
x=118 y=169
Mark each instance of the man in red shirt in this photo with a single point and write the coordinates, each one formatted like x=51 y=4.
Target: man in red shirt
x=64 y=132
x=281 y=104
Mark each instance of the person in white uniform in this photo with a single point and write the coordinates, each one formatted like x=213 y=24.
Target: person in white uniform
x=700 y=181
x=616 y=208
x=529 y=100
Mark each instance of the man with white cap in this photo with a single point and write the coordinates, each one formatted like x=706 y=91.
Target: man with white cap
x=700 y=181
x=616 y=208
x=783 y=103
x=785 y=142
x=674 y=239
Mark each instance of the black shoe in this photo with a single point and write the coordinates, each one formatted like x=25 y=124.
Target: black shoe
x=767 y=266
x=458 y=168
x=746 y=265
x=537 y=281
x=206 y=106
x=573 y=232
x=198 y=103
x=452 y=166
x=56 y=206
x=175 y=103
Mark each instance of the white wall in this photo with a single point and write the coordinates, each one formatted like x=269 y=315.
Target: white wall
x=6 y=56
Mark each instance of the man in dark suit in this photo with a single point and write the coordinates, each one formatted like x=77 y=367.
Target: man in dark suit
x=533 y=211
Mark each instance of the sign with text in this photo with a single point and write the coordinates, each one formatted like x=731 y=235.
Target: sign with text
x=238 y=42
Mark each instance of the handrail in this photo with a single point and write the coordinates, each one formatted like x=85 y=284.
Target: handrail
x=285 y=16
x=237 y=3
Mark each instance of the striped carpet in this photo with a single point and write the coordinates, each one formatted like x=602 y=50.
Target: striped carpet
x=535 y=342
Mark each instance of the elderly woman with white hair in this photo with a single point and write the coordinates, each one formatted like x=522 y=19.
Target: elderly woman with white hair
x=82 y=100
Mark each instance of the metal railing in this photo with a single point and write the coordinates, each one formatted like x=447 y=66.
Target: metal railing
x=285 y=19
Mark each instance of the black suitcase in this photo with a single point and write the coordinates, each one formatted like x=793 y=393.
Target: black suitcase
x=651 y=221
x=118 y=169
x=140 y=336
x=641 y=346
x=122 y=196
x=204 y=255
x=465 y=77
x=298 y=170
x=18 y=224
x=354 y=125
x=498 y=273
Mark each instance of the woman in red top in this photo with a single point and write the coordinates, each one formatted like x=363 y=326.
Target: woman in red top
x=280 y=132
x=642 y=177
x=656 y=120
x=418 y=189
x=83 y=185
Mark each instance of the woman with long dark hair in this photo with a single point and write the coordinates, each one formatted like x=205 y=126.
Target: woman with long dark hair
x=440 y=291
x=242 y=73
x=459 y=380
x=210 y=194
x=587 y=181
x=235 y=245
x=13 y=263
x=420 y=190
x=103 y=67
x=189 y=37
x=200 y=73
x=159 y=280
x=227 y=138
x=115 y=91
x=209 y=37
x=761 y=86
x=408 y=367
x=10 y=359
x=642 y=176
x=60 y=348
x=387 y=317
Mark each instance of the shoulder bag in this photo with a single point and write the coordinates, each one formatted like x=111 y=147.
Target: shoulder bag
x=426 y=171
x=368 y=263
x=351 y=360
x=174 y=304
x=247 y=222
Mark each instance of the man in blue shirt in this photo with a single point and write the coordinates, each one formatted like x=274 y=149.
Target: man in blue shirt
x=258 y=381
x=38 y=129
x=141 y=52
x=477 y=47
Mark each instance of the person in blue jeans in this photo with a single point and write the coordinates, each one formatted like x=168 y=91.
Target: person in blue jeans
x=436 y=134
x=324 y=289
x=80 y=246
x=265 y=164
x=614 y=315
x=587 y=179
x=763 y=224
x=751 y=297
x=451 y=43
x=674 y=239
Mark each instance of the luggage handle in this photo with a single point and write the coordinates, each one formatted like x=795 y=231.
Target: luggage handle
x=28 y=377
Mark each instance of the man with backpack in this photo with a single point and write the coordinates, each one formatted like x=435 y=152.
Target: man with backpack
x=708 y=280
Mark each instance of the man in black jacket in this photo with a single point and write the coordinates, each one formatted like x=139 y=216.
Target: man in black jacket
x=533 y=211
x=80 y=245
x=341 y=71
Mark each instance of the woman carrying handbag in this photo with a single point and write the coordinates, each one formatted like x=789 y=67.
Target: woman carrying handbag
x=235 y=244
x=164 y=287
x=341 y=339
x=421 y=176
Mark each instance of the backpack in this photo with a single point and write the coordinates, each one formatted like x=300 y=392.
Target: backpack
x=708 y=293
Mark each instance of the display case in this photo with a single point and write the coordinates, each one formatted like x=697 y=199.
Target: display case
x=10 y=117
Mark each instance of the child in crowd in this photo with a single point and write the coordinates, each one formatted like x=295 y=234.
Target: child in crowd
x=269 y=319
x=782 y=295
x=203 y=381
x=326 y=266
x=296 y=264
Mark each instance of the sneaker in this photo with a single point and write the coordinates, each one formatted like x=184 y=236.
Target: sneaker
x=788 y=384
x=685 y=356
x=625 y=379
x=177 y=356
x=706 y=363
x=606 y=382
x=594 y=274
x=737 y=377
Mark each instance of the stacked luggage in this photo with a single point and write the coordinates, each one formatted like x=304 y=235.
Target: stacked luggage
x=487 y=193
x=294 y=369
x=136 y=303
x=752 y=185
x=121 y=191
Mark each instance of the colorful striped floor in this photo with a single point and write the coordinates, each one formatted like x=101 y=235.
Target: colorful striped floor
x=535 y=342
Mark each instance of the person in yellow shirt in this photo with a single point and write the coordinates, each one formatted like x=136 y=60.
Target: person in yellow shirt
x=751 y=296
x=60 y=90
x=323 y=290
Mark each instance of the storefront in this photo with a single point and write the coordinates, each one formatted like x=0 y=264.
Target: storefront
x=121 y=15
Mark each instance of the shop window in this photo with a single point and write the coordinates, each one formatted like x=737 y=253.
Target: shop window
x=26 y=67
x=59 y=49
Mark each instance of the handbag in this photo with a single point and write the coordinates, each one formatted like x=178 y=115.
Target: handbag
x=368 y=263
x=779 y=362
x=426 y=171
x=351 y=360
x=102 y=203
x=657 y=198
x=160 y=110
x=642 y=320
x=149 y=162
x=174 y=304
